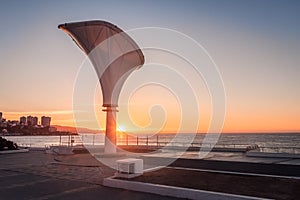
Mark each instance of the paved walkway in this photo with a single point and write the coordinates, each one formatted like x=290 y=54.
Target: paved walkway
x=230 y=156
x=36 y=175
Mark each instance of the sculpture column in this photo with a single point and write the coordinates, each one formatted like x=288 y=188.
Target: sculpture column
x=110 y=134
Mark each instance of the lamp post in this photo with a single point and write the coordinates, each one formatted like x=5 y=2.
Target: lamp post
x=114 y=56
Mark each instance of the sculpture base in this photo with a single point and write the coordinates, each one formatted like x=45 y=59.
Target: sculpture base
x=109 y=146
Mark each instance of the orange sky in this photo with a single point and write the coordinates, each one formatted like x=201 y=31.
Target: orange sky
x=236 y=121
x=255 y=46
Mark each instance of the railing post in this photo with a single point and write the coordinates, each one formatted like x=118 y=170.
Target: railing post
x=157 y=140
x=127 y=139
x=72 y=140
x=147 y=141
x=137 y=141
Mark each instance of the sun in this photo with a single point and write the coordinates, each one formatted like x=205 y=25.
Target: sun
x=121 y=131
x=121 y=128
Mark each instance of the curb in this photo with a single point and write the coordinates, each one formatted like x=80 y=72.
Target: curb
x=14 y=151
x=172 y=191
x=272 y=155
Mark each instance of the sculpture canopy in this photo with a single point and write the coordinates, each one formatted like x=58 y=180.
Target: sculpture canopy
x=112 y=52
x=114 y=56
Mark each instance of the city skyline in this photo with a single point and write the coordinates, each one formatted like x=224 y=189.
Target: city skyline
x=255 y=45
x=27 y=120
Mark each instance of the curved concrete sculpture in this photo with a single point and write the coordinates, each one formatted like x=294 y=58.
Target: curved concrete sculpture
x=114 y=56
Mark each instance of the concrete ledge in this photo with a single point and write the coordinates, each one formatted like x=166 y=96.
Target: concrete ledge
x=262 y=166
x=60 y=150
x=14 y=151
x=109 y=155
x=172 y=191
x=272 y=155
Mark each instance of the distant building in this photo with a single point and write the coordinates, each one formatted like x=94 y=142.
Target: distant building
x=29 y=120
x=35 y=121
x=12 y=122
x=45 y=121
x=32 y=121
x=3 y=123
x=0 y=118
x=22 y=120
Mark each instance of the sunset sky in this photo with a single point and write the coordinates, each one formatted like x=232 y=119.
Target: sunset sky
x=255 y=44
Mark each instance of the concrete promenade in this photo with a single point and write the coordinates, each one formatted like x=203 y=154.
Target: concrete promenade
x=37 y=175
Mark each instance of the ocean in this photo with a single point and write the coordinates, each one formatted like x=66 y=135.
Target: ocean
x=271 y=142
